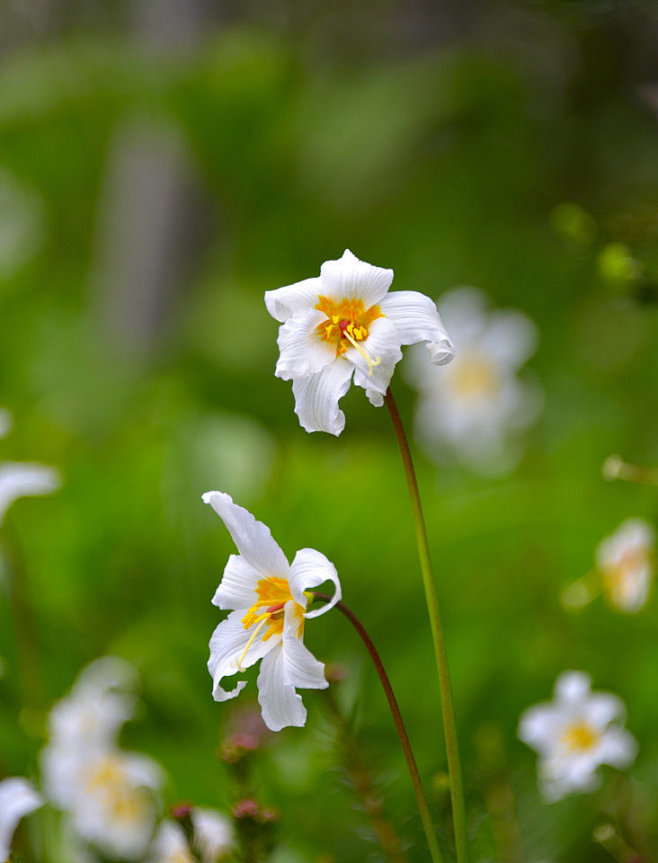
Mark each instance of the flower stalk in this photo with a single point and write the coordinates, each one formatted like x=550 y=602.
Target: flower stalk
x=447 y=708
x=421 y=800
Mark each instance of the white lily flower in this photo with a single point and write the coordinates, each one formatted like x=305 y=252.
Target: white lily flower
x=18 y=479
x=170 y=845
x=18 y=798
x=625 y=561
x=576 y=733
x=476 y=406
x=266 y=597
x=114 y=805
x=343 y=323
x=84 y=723
x=213 y=834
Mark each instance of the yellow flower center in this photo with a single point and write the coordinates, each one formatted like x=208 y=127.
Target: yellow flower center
x=579 y=736
x=473 y=377
x=269 y=611
x=347 y=325
x=620 y=578
x=124 y=802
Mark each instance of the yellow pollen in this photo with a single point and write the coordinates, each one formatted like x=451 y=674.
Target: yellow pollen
x=269 y=611
x=347 y=323
x=579 y=736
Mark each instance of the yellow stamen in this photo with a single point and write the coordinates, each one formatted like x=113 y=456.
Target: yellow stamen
x=371 y=363
x=264 y=619
x=347 y=322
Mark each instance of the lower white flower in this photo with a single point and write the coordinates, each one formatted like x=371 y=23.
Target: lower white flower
x=170 y=845
x=266 y=597
x=115 y=806
x=625 y=561
x=18 y=798
x=19 y=479
x=475 y=405
x=85 y=722
x=213 y=834
x=574 y=734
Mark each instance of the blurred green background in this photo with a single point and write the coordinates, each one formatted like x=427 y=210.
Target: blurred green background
x=162 y=164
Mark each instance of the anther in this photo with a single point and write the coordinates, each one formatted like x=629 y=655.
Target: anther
x=371 y=363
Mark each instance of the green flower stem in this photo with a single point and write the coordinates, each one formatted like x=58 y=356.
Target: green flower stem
x=447 y=708
x=421 y=800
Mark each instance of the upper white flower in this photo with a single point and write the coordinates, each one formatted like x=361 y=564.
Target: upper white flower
x=474 y=405
x=17 y=798
x=574 y=734
x=265 y=595
x=19 y=479
x=342 y=323
x=625 y=560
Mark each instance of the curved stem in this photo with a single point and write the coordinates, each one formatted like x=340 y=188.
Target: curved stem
x=447 y=708
x=421 y=800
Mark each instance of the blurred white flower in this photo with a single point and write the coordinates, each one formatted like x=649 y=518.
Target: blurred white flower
x=170 y=845
x=477 y=405
x=22 y=223
x=265 y=595
x=109 y=794
x=18 y=479
x=625 y=561
x=5 y=422
x=17 y=798
x=574 y=734
x=213 y=834
x=343 y=323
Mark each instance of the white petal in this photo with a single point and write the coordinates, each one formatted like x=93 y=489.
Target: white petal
x=303 y=352
x=417 y=320
x=383 y=342
x=213 y=834
x=317 y=397
x=227 y=645
x=538 y=727
x=253 y=538
x=284 y=302
x=237 y=588
x=618 y=748
x=170 y=845
x=601 y=708
x=509 y=337
x=572 y=687
x=23 y=480
x=301 y=667
x=280 y=704
x=348 y=278
x=17 y=799
x=310 y=569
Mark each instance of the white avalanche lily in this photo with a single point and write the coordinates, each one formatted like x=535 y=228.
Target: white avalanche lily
x=625 y=561
x=265 y=595
x=17 y=799
x=213 y=834
x=18 y=479
x=575 y=734
x=342 y=323
x=476 y=407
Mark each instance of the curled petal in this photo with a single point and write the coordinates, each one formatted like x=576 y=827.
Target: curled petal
x=317 y=397
x=253 y=538
x=302 y=351
x=348 y=278
x=17 y=799
x=382 y=344
x=227 y=647
x=284 y=302
x=25 y=480
x=310 y=569
x=416 y=319
x=280 y=704
x=237 y=588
